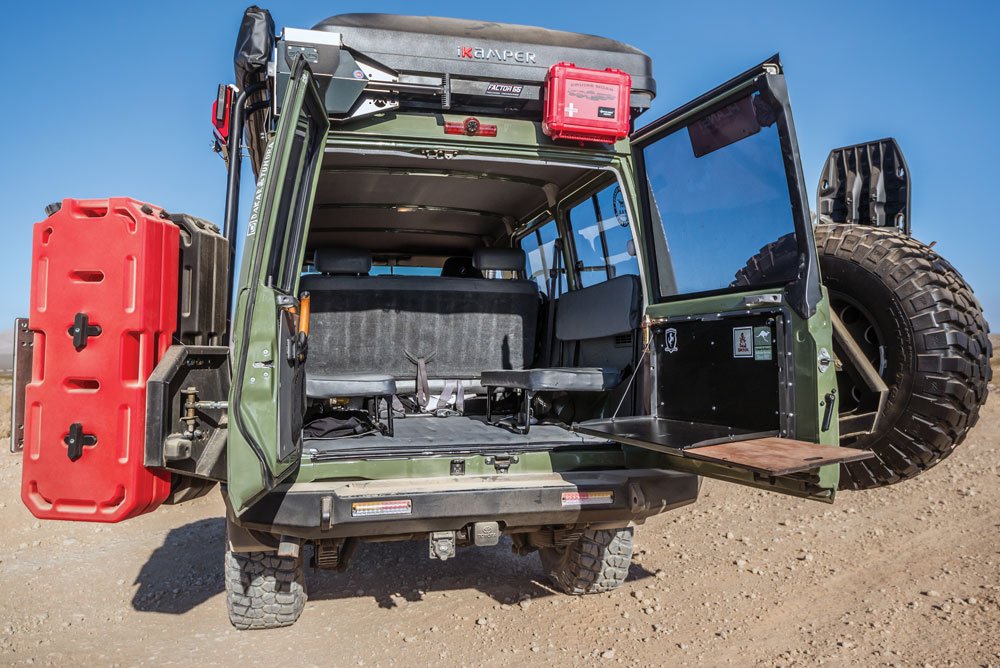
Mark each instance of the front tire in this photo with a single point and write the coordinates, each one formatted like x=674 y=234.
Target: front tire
x=263 y=590
x=597 y=562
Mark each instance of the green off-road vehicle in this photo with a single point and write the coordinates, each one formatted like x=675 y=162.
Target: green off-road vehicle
x=475 y=301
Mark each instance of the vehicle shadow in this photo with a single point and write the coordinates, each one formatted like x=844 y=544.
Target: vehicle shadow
x=186 y=571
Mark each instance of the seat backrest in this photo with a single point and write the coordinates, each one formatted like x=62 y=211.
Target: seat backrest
x=596 y=324
x=342 y=261
x=601 y=310
x=368 y=324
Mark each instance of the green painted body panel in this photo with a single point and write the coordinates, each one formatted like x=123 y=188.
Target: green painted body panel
x=253 y=466
x=521 y=140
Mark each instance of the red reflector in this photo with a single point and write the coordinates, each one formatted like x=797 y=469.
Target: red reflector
x=471 y=127
x=586 y=105
x=579 y=498
x=221 y=112
x=371 y=508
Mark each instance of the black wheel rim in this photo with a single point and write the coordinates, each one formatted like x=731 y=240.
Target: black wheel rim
x=855 y=396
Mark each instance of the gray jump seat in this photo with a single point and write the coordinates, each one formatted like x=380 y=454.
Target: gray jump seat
x=394 y=333
x=587 y=321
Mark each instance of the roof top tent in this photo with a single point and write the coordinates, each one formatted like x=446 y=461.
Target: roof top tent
x=366 y=64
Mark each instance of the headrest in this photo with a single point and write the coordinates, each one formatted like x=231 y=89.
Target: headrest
x=344 y=261
x=498 y=259
x=460 y=267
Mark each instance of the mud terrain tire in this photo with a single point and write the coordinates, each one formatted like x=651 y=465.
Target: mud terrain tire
x=597 y=562
x=934 y=340
x=263 y=590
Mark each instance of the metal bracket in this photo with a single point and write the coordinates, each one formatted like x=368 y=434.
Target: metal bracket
x=769 y=299
x=24 y=340
x=502 y=462
x=869 y=374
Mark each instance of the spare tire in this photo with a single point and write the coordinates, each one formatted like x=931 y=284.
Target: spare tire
x=923 y=330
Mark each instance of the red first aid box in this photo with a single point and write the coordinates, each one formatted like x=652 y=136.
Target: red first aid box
x=103 y=312
x=586 y=105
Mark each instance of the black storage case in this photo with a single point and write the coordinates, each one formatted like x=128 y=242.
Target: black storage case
x=482 y=64
x=203 y=282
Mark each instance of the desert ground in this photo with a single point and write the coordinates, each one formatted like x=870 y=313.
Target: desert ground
x=908 y=575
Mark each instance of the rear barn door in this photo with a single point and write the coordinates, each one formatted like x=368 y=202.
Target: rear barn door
x=267 y=399
x=734 y=287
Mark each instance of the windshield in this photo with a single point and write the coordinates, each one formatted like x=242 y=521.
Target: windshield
x=718 y=196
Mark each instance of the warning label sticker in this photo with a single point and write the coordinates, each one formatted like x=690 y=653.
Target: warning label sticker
x=762 y=349
x=742 y=341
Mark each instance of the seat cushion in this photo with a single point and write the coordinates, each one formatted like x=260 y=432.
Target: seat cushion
x=349 y=385
x=569 y=379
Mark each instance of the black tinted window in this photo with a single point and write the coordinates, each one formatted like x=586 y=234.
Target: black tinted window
x=718 y=195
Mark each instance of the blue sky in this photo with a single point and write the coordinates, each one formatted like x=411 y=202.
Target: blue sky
x=114 y=99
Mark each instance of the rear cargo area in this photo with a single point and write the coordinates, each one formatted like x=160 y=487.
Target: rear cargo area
x=424 y=280
x=428 y=435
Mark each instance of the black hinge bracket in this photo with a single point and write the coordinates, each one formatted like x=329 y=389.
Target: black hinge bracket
x=502 y=462
x=76 y=440
x=83 y=330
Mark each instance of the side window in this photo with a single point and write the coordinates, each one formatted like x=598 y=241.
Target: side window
x=602 y=237
x=539 y=246
x=283 y=264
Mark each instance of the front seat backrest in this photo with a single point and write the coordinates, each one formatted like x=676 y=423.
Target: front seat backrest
x=499 y=259
x=342 y=261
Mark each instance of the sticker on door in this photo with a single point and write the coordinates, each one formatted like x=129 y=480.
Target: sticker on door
x=762 y=344
x=743 y=342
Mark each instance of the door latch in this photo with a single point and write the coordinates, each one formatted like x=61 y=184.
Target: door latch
x=769 y=299
x=502 y=462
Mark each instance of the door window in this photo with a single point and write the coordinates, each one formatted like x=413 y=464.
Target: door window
x=719 y=202
x=539 y=247
x=602 y=237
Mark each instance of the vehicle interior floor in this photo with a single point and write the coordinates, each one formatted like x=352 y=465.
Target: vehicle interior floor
x=456 y=433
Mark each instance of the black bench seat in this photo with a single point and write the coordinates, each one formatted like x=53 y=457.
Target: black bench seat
x=566 y=379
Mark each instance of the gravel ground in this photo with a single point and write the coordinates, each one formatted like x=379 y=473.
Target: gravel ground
x=907 y=575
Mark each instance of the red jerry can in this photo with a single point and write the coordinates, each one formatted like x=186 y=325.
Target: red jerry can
x=103 y=312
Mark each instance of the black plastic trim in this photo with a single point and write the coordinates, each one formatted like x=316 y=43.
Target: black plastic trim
x=297 y=510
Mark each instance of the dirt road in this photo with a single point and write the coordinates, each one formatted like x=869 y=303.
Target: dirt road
x=908 y=575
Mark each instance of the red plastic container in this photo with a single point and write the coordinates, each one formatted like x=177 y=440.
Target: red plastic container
x=586 y=105
x=103 y=309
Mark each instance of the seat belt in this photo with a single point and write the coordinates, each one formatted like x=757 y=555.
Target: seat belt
x=555 y=279
x=451 y=388
x=423 y=386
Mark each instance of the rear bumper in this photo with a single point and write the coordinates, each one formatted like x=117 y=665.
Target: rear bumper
x=327 y=509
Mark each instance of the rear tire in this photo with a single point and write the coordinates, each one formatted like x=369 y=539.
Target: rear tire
x=263 y=590
x=928 y=335
x=596 y=562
